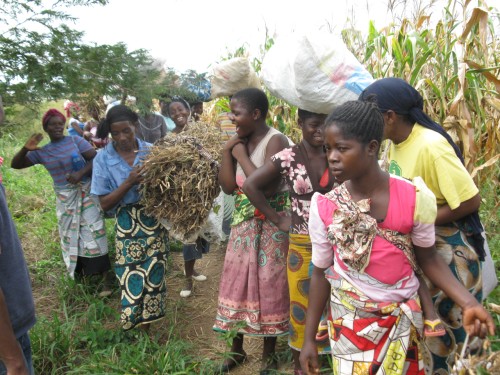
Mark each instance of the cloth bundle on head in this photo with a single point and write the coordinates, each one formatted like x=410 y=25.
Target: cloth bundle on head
x=397 y=95
x=51 y=113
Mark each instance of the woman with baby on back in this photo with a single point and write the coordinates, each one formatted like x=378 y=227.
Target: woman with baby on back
x=370 y=237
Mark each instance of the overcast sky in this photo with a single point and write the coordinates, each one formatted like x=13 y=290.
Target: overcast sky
x=192 y=34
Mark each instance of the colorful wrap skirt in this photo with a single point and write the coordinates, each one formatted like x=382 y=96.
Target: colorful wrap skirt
x=299 y=278
x=452 y=246
x=81 y=228
x=140 y=266
x=369 y=337
x=253 y=292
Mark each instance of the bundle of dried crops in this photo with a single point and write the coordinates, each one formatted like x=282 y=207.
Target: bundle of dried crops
x=486 y=363
x=180 y=179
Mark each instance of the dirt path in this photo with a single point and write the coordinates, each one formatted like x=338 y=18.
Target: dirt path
x=195 y=316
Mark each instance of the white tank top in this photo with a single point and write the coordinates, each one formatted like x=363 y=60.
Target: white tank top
x=258 y=158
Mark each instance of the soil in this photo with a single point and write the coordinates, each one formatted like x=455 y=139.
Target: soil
x=196 y=314
x=192 y=318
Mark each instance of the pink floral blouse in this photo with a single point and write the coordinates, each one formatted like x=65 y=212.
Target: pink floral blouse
x=293 y=165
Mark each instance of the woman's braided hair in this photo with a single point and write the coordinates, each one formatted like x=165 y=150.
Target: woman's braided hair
x=360 y=120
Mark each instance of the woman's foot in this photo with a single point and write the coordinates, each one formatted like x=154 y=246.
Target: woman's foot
x=198 y=276
x=188 y=288
x=235 y=360
x=433 y=328
x=106 y=291
x=269 y=365
x=106 y=284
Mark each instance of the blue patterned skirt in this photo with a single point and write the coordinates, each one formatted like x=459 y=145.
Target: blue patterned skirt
x=140 y=266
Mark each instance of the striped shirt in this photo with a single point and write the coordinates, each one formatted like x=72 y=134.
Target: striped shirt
x=56 y=157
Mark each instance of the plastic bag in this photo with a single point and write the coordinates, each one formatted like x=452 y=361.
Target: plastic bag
x=315 y=72
x=231 y=76
x=211 y=230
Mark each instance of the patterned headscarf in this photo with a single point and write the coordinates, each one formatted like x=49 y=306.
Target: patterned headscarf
x=51 y=113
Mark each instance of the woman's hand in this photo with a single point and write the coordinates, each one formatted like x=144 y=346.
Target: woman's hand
x=87 y=135
x=75 y=177
x=33 y=141
x=135 y=177
x=477 y=321
x=239 y=150
x=284 y=223
x=309 y=358
x=233 y=141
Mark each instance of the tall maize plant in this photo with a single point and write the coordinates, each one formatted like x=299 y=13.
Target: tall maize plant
x=455 y=66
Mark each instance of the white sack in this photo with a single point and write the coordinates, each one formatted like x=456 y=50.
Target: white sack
x=315 y=72
x=231 y=76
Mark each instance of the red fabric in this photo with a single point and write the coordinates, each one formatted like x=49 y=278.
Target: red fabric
x=68 y=105
x=52 y=113
x=323 y=182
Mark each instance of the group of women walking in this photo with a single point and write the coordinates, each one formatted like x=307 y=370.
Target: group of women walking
x=358 y=237
x=320 y=234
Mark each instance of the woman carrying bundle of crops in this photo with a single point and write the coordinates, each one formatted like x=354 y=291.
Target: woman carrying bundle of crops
x=141 y=241
x=421 y=147
x=253 y=286
x=68 y=159
x=305 y=169
x=180 y=112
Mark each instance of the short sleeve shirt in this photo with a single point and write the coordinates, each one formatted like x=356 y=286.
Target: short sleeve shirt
x=412 y=210
x=56 y=157
x=110 y=170
x=291 y=162
x=428 y=154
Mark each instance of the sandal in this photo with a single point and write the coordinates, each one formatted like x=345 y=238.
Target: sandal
x=198 y=276
x=430 y=328
x=322 y=333
x=188 y=288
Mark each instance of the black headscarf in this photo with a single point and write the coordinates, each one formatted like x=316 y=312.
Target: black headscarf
x=397 y=95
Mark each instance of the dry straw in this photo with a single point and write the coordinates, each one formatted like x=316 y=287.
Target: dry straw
x=180 y=179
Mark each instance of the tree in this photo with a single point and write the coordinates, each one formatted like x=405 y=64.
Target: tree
x=42 y=58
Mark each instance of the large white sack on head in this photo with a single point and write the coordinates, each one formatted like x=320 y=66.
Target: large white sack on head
x=315 y=72
x=231 y=76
